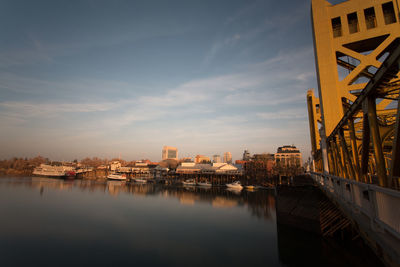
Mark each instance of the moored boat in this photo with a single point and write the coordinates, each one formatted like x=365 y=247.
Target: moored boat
x=189 y=182
x=116 y=176
x=70 y=174
x=45 y=170
x=140 y=180
x=205 y=184
x=250 y=187
x=235 y=185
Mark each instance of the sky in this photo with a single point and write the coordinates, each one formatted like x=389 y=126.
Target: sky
x=124 y=78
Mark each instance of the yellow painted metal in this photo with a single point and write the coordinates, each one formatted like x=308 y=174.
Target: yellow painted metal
x=377 y=143
x=314 y=116
x=356 y=40
x=346 y=156
x=354 y=149
x=351 y=40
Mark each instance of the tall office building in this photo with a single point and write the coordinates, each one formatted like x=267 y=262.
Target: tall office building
x=246 y=155
x=169 y=152
x=227 y=157
x=217 y=159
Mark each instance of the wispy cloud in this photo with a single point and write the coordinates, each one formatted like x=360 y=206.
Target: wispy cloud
x=261 y=84
x=42 y=109
x=219 y=45
x=254 y=98
x=292 y=114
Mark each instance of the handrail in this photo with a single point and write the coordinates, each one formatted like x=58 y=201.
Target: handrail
x=379 y=204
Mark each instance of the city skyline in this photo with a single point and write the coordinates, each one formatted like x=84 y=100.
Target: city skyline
x=107 y=79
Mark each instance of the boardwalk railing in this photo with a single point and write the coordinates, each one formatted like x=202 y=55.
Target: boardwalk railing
x=380 y=205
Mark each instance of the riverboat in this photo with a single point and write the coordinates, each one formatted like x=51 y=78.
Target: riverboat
x=45 y=170
x=70 y=174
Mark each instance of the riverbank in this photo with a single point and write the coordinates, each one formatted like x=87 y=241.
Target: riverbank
x=14 y=172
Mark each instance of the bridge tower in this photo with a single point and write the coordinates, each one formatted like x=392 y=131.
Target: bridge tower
x=359 y=128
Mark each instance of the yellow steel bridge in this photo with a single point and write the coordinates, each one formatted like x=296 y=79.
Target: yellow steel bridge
x=355 y=121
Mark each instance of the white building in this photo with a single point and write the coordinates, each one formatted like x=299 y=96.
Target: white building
x=169 y=152
x=220 y=168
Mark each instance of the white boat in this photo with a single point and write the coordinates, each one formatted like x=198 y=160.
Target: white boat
x=116 y=176
x=189 y=182
x=52 y=171
x=205 y=184
x=235 y=185
x=140 y=180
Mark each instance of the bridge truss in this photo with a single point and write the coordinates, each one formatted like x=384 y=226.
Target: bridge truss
x=355 y=122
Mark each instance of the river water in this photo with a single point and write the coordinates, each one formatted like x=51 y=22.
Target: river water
x=51 y=222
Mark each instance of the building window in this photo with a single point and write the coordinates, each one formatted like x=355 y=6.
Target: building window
x=353 y=22
x=337 y=27
x=370 y=18
x=388 y=13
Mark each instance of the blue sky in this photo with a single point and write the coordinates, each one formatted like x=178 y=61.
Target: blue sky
x=110 y=78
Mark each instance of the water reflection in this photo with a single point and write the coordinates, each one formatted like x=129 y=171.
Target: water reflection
x=119 y=223
x=260 y=203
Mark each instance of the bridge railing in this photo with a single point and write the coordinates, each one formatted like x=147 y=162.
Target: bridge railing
x=381 y=205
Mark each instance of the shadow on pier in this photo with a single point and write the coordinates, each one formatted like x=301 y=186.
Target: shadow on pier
x=312 y=230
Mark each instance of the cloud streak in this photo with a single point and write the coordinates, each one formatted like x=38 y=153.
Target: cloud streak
x=99 y=92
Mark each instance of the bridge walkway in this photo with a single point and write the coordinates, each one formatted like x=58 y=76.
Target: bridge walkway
x=373 y=210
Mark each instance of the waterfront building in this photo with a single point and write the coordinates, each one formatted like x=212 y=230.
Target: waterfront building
x=188 y=168
x=240 y=163
x=246 y=155
x=227 y=157
x=201 y=159
x=160 y=172
x=217 y=159
x=169 y=152
x=288 y=156
x=186 y=159
x=141 y=170
x=224 y=168
x=260 y=166
x=115 y=165
x=215 y=168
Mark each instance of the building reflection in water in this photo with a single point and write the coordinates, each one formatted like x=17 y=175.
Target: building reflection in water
x=260 y=203
x=283 y=245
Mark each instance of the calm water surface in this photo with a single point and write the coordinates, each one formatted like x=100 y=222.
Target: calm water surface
x=49 y=222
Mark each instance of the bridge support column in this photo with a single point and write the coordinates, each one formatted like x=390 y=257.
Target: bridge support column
x=377 y=142
x=356 y=160
x=324 y=154
x=395 y=165
x=365 y=145
x=347 y=158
